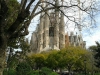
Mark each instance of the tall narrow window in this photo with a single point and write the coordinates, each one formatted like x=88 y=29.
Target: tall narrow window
x=51 y=31
x=69 y=38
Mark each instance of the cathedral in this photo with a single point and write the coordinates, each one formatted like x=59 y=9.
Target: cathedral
x=50 y=33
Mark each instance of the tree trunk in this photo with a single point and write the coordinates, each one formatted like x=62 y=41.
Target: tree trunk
x=3 y=46
x=69 y=70
x=2 y=61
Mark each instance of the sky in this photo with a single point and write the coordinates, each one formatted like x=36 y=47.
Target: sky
x=90 y=35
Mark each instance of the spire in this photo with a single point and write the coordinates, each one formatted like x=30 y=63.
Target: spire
x=56 y=36
x=62 y=29
x=57 y=2
x=42 y=3
x=79 y=26
x=62 y=1
x=43 y=6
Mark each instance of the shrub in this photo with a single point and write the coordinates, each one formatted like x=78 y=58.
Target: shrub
x=53 y=73
x=5 y=72
x=47 y=71
x=9 y=72
x=23 y=68
x=33 y=72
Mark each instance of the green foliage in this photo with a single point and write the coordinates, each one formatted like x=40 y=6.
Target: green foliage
x=46 y=70
x=13 y=59
x=70 y=58
x=97 y=55
x=92 y=48
x=13 y=7
x=88 y=74
x=37 y=60
x=30 y=61
x=43 y=71
x=5 y=72
x=23 y=68
x=53 y=73
x=33 y=72
x=97 y=74
x=12 y=63
x=9 y=72
x=52 y=60
x=96 y=52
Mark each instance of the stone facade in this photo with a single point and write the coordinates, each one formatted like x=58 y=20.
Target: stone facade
x=50 y=32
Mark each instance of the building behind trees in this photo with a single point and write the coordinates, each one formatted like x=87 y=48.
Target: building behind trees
x=50 y=33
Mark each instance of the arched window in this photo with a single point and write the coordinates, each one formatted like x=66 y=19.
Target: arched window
x=51 y=31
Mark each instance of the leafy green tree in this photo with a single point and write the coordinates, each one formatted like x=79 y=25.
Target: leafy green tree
x=31 y=61
x=43 y=71
x=9 y=72
x=5 y=21
x=14 y=57
x=96 y=49
x=39 y=61
x=23 y=68
x=52 y=60
x=72 y=57
x=47 y=71
x=36 y=60
x=92 y=50
x=24 y=46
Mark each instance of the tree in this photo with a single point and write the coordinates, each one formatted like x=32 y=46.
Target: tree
x=52 y=60
x=94 y=49
x=36 y=61
x=97 y=54
x=23 y=68
x=13 y=57
x=71 y=56
x=16 y=25
x=39 y=61
x=24 y=46
x=31 y=60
